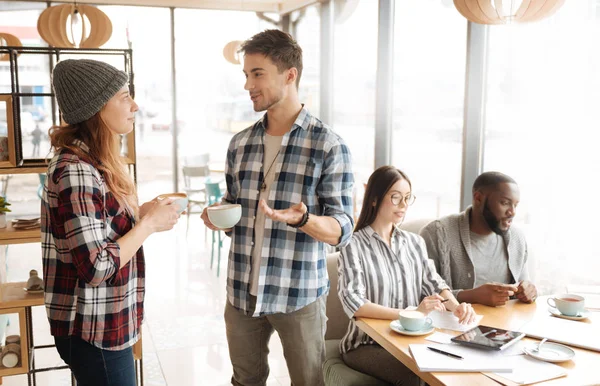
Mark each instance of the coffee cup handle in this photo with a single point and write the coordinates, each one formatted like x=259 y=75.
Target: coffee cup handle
x=428 y=324
x=551 y=305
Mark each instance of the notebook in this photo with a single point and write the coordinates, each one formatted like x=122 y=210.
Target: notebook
x=474 y=360
x=569 y=332
x=489 y=338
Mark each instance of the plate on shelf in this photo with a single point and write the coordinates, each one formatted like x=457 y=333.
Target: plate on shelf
x=582 y=315
x=21 y=219
x=26 y=223
x=38 y=291
x=396 y=326
x=25 y=227
x=550 y=352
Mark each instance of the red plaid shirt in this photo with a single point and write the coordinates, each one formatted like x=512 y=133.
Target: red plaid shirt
x=86 y=293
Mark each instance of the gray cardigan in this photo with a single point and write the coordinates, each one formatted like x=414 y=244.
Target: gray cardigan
x=448 y=244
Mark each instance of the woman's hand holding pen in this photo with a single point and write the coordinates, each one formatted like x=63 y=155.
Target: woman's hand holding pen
x=431 y=303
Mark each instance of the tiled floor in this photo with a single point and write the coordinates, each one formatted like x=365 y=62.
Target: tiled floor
x=184 y=332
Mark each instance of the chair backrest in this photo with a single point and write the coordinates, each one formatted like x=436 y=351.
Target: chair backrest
x=196 y=171
x=213 y=192
x=194 y=176
x=337 y=321
x=416 y=225
x=197 y=160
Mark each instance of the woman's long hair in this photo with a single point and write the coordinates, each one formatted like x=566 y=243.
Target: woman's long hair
x=104 y=154
x=379 y=184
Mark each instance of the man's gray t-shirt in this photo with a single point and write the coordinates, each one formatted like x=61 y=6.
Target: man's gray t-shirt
x=272 y=145
x=490 y=259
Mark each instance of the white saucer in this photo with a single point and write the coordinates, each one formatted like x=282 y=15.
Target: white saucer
x=550 y=352
x=396 y=326
x=582 y=315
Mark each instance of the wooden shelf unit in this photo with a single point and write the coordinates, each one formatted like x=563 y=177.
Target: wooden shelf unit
x=9 y=235
x=24 y=170
x=14 y=296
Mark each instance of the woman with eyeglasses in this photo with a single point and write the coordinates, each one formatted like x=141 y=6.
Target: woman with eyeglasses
x=385 y=270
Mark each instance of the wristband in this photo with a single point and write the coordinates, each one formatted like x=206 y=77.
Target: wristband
x=302 y=222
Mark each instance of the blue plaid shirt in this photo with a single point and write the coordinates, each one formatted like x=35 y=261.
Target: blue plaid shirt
x=313 y=166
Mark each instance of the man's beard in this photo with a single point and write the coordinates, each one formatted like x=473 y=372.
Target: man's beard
x=492 y=221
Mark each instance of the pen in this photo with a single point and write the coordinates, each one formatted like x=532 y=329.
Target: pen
x=445 y=353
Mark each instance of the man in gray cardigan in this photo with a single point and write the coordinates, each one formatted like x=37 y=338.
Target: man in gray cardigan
x=477 y=252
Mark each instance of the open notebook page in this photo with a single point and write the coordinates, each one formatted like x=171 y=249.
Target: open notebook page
x=448 y=321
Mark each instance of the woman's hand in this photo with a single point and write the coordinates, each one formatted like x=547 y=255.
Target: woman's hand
x=145 y=207
x=161 y=216
x=465 y=313
x=431 y=303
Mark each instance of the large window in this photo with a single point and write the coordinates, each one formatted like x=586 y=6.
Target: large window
x=308 y=36
x=19 y=19
x=429 y=73
x=355 y=66
x=212 y=102
x=542 y=119
x=147 y=31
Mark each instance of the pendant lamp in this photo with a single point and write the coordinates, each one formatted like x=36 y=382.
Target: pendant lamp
x=506 y=11
x=66 y=26
x=9 y=40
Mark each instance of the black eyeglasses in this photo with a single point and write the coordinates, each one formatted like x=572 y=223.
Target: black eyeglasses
x=397 y=198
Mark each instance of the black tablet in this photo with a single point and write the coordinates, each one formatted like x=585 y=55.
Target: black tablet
x=488 y=338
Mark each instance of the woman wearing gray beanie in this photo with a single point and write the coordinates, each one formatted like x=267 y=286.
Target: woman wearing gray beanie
x=92 y=227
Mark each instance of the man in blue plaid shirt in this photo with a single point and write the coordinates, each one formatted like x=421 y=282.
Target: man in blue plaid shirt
x=292 y=176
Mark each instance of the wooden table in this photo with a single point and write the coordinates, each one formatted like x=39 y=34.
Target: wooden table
x=582 y=370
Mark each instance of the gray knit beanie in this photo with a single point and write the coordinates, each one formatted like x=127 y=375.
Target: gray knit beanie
x=83 y=87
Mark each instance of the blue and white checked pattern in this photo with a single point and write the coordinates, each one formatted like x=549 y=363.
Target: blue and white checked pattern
x=313 y=166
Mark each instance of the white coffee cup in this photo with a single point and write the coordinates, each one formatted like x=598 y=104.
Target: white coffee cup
x=179 y=199
x=224 y=216
x=414 y=320
x=567 y=304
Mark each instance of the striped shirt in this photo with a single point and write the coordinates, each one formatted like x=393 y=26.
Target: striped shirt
x=85 y=292
x=313 y=167
x=370 y=272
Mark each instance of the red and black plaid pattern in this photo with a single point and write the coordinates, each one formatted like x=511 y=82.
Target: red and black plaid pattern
x=86 y=293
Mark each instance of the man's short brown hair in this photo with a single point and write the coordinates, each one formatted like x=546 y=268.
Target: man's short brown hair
x=278 y=46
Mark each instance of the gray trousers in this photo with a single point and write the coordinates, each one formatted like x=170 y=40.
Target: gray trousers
x=374 y=360
x=302 y=335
